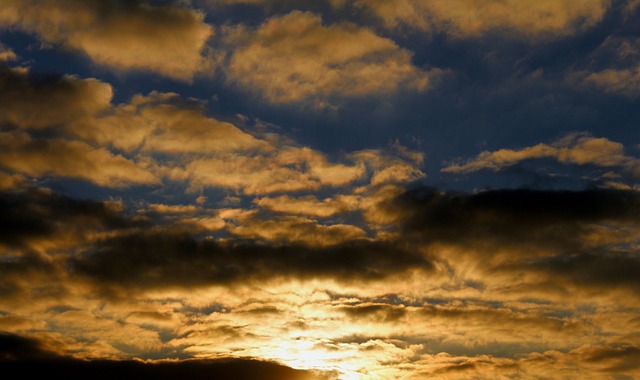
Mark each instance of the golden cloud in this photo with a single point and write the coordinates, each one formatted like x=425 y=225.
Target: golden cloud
x=578 y=149
x=310 y=205
x=34 y=104
x=67 y=158
x=164 y=123
x=295 y=58
x=465 y=18
x=297 y=230
x=286 y=170
x=617 y=81
x=165 y=39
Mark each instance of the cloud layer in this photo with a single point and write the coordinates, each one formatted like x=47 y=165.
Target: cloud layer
x=257 y=188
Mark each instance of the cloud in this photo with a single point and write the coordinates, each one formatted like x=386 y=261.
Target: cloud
x=14 y=347
x=613 y=67
x=67 y=158
x=310 y=205
x=286 y=170
x=617 y=81
x=123 y=35
x=168 y=259
x=33 y=102
x=297 y=230
x=547 y=243
x=516 y=214
x=577 y=149
x=467 y=18
x=164 y=123
x=26 y=357
x=53 y=122
x=295 y=58
x=7 y=54
x=28 y=215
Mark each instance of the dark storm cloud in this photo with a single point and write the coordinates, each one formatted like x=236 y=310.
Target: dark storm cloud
x=590 y=269
x=25 y=357
x=162 y=258
x=512 y=216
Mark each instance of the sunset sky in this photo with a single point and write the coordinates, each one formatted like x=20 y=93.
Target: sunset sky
x=321 y=189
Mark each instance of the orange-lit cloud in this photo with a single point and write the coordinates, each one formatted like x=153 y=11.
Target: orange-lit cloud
x=176 y=236
x=164 y=123
x=621 y=75
x=578 y=149
x=310 y=205
x=73 y=159
x=310 y=61
x=297 y=230
x=625 y=81
x=133 y=35
x=6 y=54
x=464 y=18
x=33 y=104
x=286 y=170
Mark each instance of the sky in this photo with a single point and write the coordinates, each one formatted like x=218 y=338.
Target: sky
x=320 y=189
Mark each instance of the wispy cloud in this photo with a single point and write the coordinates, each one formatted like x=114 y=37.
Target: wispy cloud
x=576 y=149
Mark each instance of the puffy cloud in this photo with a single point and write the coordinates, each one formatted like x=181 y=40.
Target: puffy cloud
x=164 y=123
x=74 y=159
x=578 y=149
x=171 y=137
x=466 y=18
x=125 y=35
x=295 y=57
x=286 y=170
x=29 y=101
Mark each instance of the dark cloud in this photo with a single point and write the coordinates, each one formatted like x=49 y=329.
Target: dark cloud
x=16 y=347
x=376 y=312
x=159 y=258
x=25 y=357
x=624 y=358
x=32 y=213
x=581 y=239
x=30 y=100
x=596 y=269
x=512 y=216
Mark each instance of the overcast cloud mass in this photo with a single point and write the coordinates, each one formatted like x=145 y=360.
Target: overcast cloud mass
x=334 y=189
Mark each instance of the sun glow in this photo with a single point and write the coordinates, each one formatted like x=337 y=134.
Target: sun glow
x=318 y=355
